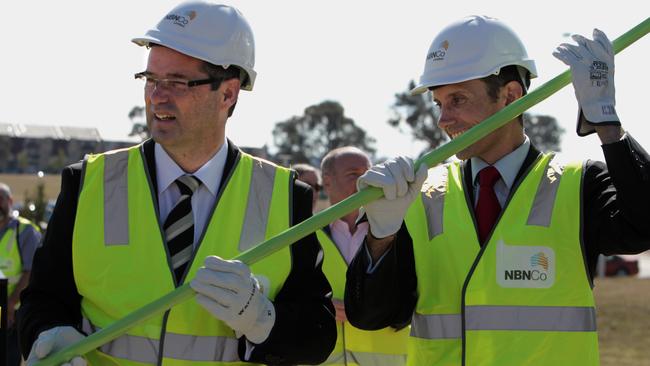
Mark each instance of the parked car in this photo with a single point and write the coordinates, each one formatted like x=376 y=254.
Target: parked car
x=619 y=266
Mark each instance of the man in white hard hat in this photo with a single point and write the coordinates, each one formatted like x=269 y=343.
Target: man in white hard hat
x=496 y=257
x=132 y=225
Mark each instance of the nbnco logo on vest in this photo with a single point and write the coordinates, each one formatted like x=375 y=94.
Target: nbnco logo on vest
x=520 y=266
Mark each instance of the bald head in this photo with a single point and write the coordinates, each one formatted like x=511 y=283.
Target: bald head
x=340 y=168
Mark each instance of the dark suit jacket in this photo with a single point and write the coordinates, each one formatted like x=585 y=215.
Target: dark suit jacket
x=304 y=331
x=615 y=204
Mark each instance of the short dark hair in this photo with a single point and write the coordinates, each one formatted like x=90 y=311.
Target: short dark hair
x=509 y=73
x=219 y=72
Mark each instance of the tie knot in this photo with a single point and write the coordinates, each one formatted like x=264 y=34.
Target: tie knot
x=188 y=184
x=488 y=176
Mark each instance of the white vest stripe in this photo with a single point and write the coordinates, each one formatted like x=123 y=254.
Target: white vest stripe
x=436 y=326
x=531 y=318
x=542 y=210
x=116 y=200
x=258 y=205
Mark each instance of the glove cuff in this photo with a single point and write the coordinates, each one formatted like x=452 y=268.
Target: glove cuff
x=381 y=230
x=586 y=127
x=261 y=329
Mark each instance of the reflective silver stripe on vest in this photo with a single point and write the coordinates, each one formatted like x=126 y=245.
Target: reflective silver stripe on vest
x=542 y=210
x=177 y=346
x=259 y=202
x=433 y=199
x=200 y=349
x=531 y=318
x=366 y=358
x=116 y=199
x=436 y=326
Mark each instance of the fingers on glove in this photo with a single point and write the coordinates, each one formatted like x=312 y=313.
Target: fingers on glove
x=77 y=361
x=221 y=295
x=401 y=170
x=221 y=265
x=420 y=176
x=44 y=345
x=379 y=176
x=601 y=38
x=563 y=54
x=217 y=309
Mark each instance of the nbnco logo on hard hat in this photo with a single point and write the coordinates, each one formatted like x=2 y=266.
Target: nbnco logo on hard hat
x=482 y=46
x=182 y=20
x=215 y=33
x=440 y=53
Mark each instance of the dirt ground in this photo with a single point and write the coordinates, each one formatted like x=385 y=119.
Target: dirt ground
x=623 y=307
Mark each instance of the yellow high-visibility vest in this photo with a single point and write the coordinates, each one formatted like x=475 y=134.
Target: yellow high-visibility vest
x=525 y=297
x=11 y=262
x=355 y=346
x=121 y=262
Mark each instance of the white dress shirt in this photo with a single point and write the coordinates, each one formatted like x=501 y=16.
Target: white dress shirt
x=347 y=243
x=210 y=174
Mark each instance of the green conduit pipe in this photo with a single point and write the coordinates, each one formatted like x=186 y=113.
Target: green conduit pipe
x=338 y=210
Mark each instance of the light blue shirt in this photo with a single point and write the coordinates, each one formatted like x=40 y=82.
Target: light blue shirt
x=508 y=166
x=203 y=200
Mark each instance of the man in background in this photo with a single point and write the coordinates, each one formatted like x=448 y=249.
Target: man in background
x=19 y=239
x=340 y=241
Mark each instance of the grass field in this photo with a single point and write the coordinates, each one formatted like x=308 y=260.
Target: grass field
x=623 y=307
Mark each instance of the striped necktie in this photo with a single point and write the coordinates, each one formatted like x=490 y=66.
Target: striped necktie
x=179 y=226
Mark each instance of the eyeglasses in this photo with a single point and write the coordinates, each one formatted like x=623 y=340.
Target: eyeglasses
x=175 y=86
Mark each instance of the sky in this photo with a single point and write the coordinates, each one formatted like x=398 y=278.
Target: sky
x=72 y=62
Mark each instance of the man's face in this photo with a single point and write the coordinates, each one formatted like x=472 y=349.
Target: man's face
x=5 y=206
x=464 y=105
x=341 y=182
x=195 y=118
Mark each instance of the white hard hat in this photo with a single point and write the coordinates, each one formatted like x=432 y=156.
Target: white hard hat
x=218 y=34
x=472 y=48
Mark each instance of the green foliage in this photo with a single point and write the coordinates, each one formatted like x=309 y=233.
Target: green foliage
x=39 y=202
x=543 y=131
x=139 y=128
x=323 y=127
x=417 y=115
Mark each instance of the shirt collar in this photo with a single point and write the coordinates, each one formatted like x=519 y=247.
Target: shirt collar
x=508 y=166
x=168 y=171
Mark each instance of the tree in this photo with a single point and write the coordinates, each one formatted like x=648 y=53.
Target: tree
x=323 y=127
x=419 y=115
x=543 y=131
x=136 y=115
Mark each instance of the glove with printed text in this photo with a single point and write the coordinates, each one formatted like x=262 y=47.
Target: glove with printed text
x=592 y=74
x=401 y=185
x=228 y=290
x=54 y=340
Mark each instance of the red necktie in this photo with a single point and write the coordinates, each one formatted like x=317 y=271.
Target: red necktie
x=487 y=207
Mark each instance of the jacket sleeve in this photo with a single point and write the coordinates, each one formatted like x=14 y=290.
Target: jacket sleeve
x=51 y=298
x=305 y=329
x=386 y=296
x=616 y=199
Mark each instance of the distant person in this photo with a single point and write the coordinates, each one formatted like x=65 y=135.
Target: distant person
x=132 y=225
x=19 y=239
x=495 y=260
x=311 y=176
x=340 y=241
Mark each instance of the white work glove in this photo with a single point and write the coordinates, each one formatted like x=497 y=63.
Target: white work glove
x=54 y=340
x=228 y=290
x=400 y=184
x=592 y=73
